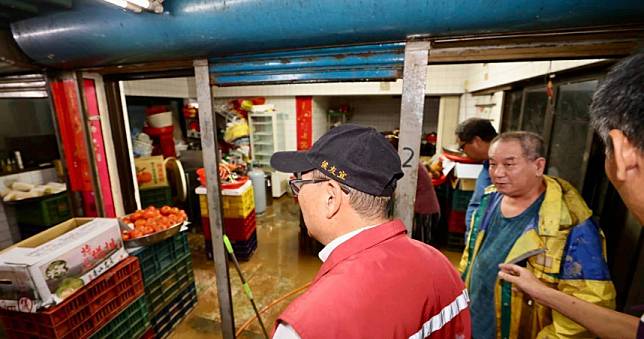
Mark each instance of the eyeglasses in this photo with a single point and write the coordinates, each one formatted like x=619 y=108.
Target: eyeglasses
x=296 y=184
x=461 y=146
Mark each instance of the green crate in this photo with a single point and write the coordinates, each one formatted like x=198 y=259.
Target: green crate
x=167 y=286
x=174 y=312
x=157 y=196
x=130 y=323
x=157 y=258
x=460 y=200
x=47 y=211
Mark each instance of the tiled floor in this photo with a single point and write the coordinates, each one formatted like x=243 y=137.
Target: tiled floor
x=277 y=268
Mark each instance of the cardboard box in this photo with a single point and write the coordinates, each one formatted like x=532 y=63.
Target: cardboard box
x=150 y=171
x=48 y=267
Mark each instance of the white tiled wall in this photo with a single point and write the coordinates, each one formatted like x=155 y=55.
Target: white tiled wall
x=447 y=79
x=383 y=112
x=320 y=109
x=8 y=228
x=170 y=88
x=286 y=106
x=447 y=120
x=482 y=76
x=477 y=106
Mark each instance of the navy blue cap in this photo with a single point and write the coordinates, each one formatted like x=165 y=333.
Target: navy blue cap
x=356 y=156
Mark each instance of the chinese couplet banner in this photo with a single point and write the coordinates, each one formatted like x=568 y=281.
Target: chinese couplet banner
x=304 y=124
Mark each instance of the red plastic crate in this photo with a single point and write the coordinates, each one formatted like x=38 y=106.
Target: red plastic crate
x=456 y=222
x=205 y=225
x=149 y=334
x=240 y=229
x=86 y=311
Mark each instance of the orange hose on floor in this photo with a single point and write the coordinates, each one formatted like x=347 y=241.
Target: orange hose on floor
x=267 y=307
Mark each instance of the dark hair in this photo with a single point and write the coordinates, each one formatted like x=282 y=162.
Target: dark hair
x=475 y=127
x=619 y=102
x=531 y=143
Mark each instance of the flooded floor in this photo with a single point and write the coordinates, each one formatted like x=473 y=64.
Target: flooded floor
x=278 y=267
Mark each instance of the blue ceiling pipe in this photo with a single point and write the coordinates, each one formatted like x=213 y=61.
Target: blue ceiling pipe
x=95 y=33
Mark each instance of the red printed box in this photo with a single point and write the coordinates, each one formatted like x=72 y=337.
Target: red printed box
x=50 y=266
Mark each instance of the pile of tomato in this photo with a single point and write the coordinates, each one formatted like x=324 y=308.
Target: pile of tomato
x=152 y=220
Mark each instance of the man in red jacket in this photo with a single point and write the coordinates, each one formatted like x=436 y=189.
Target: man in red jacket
x=375 y=282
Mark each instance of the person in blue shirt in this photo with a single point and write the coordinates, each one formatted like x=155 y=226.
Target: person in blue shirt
x=474 y=137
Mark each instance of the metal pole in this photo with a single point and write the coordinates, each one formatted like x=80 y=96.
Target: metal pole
x=210 y=160
x=411 y=127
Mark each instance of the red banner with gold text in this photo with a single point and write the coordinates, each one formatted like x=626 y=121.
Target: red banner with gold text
x=304 y=124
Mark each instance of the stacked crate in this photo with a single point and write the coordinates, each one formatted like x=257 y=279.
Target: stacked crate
x=169 y=282
x=132 y=322
x=88 y=311
x=156 y=196
x=456 y=219
x=239 y=222
x=35 y=216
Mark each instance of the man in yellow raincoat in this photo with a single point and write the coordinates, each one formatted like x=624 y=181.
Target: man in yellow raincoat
x=617 y=114
x=539 y=222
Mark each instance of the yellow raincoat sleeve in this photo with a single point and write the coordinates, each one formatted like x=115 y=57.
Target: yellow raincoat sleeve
x=584 y=275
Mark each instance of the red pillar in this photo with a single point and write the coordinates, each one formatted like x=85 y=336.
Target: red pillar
x=83 y=148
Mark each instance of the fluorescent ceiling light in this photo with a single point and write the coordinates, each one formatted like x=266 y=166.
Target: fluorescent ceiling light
x=142 y=3
x=139 y=5
x=120 y=3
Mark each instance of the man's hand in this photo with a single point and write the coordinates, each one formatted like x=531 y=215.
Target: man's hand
x=523 y=280
x=603 y=322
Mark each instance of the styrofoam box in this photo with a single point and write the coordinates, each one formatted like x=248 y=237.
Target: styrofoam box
x=467 y=171
x=50 y=266
x=237 y=191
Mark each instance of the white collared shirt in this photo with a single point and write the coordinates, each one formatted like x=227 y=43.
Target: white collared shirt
x=326 y=251
x=286 y=331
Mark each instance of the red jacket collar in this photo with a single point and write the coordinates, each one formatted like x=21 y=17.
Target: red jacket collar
x=360 y=242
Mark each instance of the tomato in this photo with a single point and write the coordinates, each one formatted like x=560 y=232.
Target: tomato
x=148 y=214
x=136 y=215
x=139 y=223
x=152 y=220
x=173 y=218
x=165 y=210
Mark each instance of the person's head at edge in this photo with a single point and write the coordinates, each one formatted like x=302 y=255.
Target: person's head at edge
x=347 y=180
x=474 y=137
x=517 y=164
x=617 y=114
